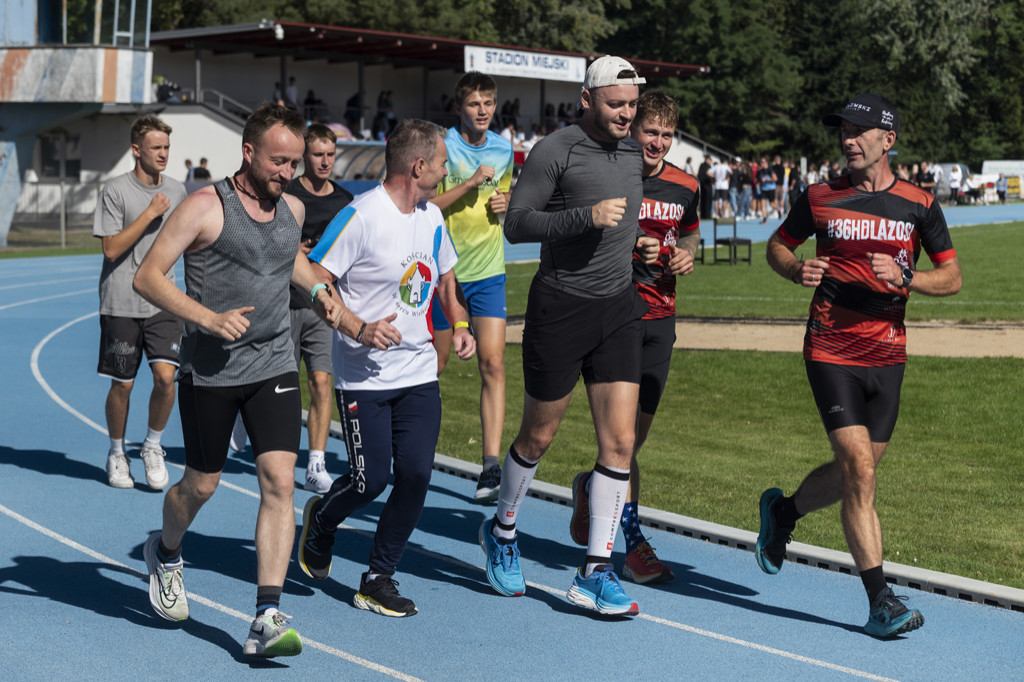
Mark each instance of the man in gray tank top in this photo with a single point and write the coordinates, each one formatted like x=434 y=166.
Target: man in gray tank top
x=579 y=195
x=240 y=239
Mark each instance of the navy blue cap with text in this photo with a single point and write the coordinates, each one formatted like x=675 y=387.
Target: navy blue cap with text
x=869 y=111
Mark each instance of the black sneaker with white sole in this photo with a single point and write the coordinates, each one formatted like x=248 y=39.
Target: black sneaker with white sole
x=488 y=486
x=380 y=595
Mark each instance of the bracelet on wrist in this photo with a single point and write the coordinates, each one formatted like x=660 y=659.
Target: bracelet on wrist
x=317 y=287
x=359 y=336
x=461 y=325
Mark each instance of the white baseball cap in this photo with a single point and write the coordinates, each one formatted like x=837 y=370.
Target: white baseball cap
x=609 y=70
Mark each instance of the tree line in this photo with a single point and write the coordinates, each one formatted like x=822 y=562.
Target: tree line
x=953 y=67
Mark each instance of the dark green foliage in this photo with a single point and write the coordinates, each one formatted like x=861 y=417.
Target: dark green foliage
x=952 y=66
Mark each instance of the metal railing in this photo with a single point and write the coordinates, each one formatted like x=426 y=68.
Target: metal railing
x=214 y=99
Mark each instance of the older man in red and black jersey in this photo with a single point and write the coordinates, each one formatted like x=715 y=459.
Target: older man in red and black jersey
x=869 y=229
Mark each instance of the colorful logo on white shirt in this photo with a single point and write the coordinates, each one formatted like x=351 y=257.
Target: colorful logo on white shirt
x=414 y=288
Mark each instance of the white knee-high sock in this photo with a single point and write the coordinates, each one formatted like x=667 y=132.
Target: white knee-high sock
x=608 y=490
x=516 y=476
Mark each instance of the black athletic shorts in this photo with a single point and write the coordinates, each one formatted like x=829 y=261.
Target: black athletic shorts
x=122 y=340
x=848 y=395
x=271 y=410
x=655 y=356
x=567 y=335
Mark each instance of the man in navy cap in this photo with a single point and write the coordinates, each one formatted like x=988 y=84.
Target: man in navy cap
x=869 y=228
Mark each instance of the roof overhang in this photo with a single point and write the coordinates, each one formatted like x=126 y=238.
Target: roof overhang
x=299 y=41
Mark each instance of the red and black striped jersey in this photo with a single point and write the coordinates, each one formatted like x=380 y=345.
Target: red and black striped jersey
x=854 y=318
x=669 y=211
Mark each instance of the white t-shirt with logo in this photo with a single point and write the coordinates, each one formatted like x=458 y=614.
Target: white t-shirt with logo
x=386 y=262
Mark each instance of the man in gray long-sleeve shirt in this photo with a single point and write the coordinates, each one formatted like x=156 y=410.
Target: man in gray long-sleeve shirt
x=579 y=195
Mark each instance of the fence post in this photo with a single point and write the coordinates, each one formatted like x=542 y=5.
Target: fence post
x=63 y=216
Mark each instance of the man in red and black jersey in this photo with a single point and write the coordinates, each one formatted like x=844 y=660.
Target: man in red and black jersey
x=869 y=229
x=670 y=214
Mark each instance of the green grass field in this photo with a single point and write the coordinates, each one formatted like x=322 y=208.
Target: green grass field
x=734 y=423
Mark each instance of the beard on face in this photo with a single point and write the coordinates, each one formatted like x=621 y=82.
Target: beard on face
x=263 y=185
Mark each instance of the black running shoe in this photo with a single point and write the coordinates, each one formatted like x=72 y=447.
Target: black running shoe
x=380 y=595
x=488 y=486
x=315 y=543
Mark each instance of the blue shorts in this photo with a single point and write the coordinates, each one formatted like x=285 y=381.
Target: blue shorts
x=484 y=298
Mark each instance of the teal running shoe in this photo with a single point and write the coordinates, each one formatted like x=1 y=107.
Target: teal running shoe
x=770 y=550
x=601 y=592
x=502 y=562
x=889 y=617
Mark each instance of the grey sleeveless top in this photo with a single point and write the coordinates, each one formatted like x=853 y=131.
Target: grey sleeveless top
x=250 y=263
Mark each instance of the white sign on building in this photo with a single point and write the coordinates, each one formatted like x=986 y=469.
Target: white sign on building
x=521 y=64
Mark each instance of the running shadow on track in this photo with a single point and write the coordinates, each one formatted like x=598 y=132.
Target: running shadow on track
x=85 y=585
x=50 y=462
x=688 y=583
x=227 y=556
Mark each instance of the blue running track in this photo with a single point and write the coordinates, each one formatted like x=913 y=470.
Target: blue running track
x=75 y=601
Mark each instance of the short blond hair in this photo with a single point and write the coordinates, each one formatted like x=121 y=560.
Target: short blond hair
x=145 y=124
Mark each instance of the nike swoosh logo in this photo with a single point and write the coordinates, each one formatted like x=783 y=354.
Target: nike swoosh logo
x=257 y=632
x=168 y=603
x=278 y=389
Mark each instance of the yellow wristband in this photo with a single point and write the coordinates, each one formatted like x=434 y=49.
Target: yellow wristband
x=462 y=325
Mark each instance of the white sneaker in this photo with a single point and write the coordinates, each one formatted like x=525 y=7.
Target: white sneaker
x=118 y=473
x=317 y=478
x=269 y=636
x=156 y=471
x=166 y=586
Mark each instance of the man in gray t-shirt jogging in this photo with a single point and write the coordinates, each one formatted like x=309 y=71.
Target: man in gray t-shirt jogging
x=131 y=210
x=579 y=195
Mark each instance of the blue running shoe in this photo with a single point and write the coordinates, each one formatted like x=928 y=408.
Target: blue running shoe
x=502 y=562
x=602 y=592
x=770 y=550
x=889 y=617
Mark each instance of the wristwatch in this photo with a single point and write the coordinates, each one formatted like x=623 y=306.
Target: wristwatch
x=908 y=277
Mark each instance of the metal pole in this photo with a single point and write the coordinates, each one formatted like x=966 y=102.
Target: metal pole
x=149 y=18
x=131 y=25
x=96 y=24
x=63 y=217
x=362 y=98
x=117 y=20
x=284 y=79
x=199 y=85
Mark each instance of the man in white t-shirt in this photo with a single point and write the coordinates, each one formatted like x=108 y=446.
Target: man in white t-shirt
x=956 y=176
x=721 y=172
x=387 y=251
x=937 y=177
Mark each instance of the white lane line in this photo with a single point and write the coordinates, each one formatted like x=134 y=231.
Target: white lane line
x=766 y=649
x=34 y=363
x=194 y=597
x=453 y=560
x=90 y=290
